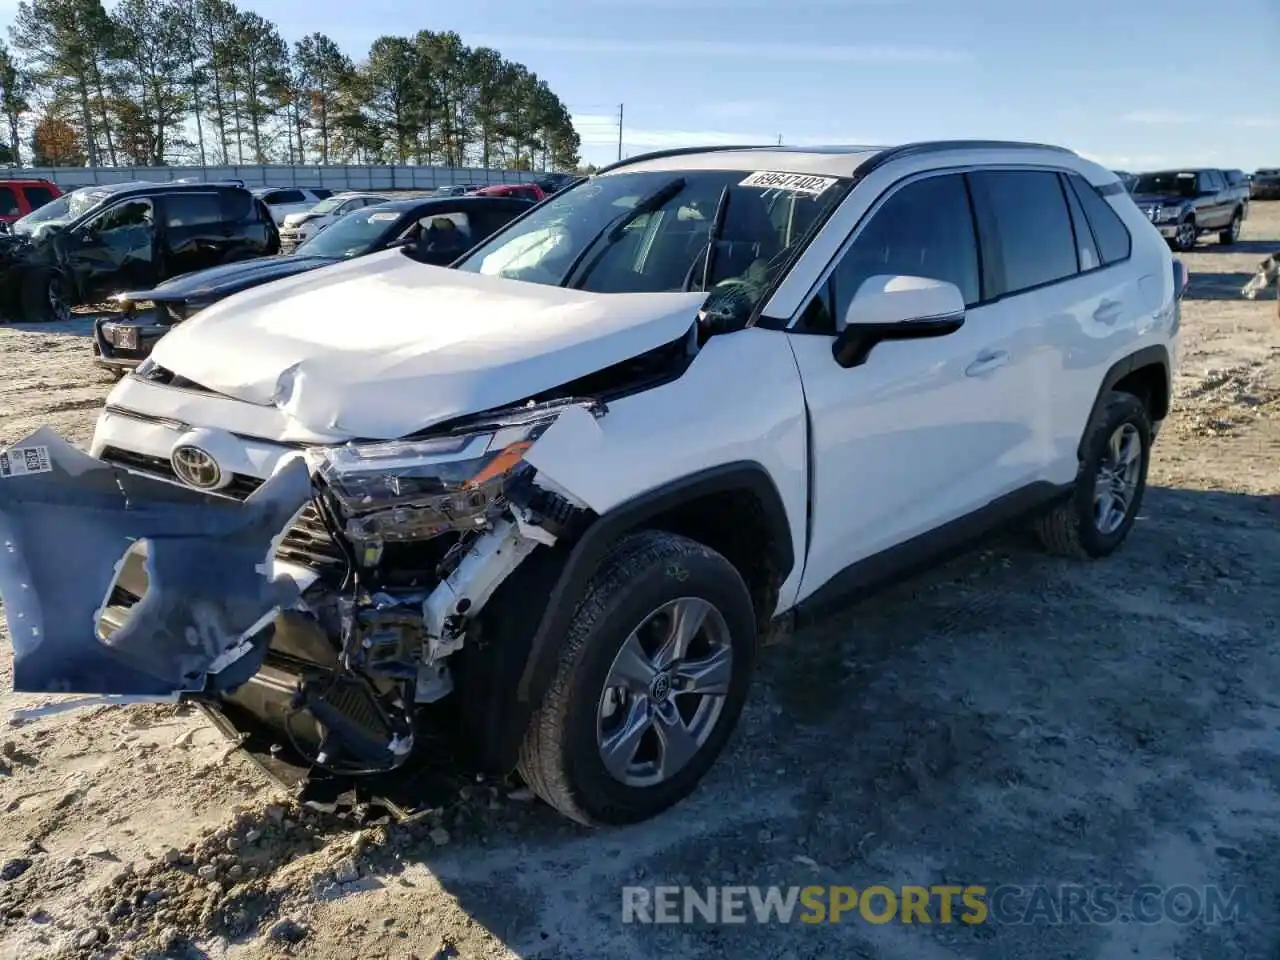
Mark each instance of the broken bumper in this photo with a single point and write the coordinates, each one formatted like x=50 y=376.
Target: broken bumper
x=74 y=530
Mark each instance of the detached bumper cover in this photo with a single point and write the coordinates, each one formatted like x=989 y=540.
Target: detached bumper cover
x=66 y=522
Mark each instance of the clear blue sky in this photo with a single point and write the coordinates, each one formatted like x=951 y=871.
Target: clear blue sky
x=1133 y=84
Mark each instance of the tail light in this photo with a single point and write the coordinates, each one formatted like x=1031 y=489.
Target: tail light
x=1181 y=277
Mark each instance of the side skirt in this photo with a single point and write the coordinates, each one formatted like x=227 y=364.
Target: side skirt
x=904 y=560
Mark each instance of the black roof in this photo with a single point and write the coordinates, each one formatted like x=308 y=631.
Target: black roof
x=413 y=203
x=156 y=186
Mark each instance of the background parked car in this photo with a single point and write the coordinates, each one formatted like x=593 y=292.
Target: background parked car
x=434 y=230
x=129 y=235
x=1126 y=178
x=524 y=191
x=20 y=197
x=282 y=201
x=1265 y=184
x=298 y=228
x=1183 y=204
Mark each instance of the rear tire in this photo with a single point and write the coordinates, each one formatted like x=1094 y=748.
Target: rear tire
x=1117 y=453
x=579 y=753
x=1232 y=233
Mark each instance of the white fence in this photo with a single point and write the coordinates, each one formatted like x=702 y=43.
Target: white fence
x=281 y=175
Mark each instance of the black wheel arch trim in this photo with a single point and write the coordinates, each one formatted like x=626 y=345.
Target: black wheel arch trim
x=520 y=662
x=1155 y=355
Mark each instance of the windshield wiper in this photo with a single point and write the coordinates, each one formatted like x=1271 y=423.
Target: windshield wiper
x=713 y=244
x=612 y=231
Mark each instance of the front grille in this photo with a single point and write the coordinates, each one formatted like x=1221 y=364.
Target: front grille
x=240 y=487
x=307 y=543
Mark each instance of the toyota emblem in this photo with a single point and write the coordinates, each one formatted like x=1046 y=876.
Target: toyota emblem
x=196 y=467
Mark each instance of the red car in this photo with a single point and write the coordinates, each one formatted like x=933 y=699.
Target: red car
x=20 y=197
x=521 y=191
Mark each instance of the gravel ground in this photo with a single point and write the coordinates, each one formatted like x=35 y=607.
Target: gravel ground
x=1010 y=719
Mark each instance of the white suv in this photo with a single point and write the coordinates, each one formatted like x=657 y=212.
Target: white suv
x=282 y=201
x=575 y=481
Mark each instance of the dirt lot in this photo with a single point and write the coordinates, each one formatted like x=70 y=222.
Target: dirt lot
x=1013 y=719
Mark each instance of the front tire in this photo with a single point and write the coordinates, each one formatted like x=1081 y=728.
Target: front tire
x=46 y=296
x=1109 y=486
x=653 y=674
x=1186 y=237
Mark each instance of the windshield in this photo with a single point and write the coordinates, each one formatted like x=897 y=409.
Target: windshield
x=648 y=232
x=1180 y=183
x=352 y=235
x=328 y=206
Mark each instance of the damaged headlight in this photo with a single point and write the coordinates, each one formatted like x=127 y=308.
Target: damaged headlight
x=416 y=489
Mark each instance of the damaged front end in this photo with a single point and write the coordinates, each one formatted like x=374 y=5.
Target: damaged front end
x=328 y=602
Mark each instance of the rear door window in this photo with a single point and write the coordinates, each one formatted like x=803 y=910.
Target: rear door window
x=285 y=196
x=8 y=202
x=192 y=210
x=1027 y=227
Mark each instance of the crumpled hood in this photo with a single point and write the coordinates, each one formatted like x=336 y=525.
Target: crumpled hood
x=381 y=346
x=217 y=282
x=293 y=219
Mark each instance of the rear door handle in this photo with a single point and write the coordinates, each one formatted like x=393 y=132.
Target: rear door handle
x=986 y=362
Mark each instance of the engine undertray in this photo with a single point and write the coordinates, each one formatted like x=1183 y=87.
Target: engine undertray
x=429 y=780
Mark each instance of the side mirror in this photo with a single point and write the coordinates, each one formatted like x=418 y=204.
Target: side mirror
x=897 y=308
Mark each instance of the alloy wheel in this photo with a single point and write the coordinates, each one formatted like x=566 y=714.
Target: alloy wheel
x=665 y=692
x=1117 y=479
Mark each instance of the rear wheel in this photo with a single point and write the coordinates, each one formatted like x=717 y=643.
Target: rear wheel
x=1109 y=487
x=1232 y=233
x=652 y=678
x=46 y=296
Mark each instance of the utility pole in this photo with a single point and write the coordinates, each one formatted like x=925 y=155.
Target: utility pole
x=779 y=139
x=620 y=131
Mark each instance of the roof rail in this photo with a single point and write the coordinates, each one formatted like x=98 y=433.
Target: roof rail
x=680 y=152
x=937 y=146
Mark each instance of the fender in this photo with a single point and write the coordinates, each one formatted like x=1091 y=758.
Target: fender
x=505 y=675
x=1154 y=355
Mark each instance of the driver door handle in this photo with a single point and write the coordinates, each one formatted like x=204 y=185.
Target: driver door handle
x=986 y=362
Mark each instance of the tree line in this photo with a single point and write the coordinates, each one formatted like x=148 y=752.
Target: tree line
x=160 y=82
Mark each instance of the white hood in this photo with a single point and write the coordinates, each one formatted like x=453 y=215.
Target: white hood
x=293 y=219
x=382 y=346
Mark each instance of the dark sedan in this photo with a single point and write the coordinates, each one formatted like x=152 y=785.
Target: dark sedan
x=434 y=230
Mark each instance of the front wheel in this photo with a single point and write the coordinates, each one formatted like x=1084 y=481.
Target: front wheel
x=1109 y=486
x=652 y=678
x=1232 y=233
x=46 y=296
x=1186 y=237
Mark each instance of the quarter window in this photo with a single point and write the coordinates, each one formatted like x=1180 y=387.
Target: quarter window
x=923 y=230
x=1029 y=225
x=1114 y=242
x=8 y=202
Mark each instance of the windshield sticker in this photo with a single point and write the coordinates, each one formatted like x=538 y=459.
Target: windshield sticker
x=795 y=182
x=21 y=461
x=379 y=217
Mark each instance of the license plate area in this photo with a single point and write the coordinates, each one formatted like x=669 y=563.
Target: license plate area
x=126 y=338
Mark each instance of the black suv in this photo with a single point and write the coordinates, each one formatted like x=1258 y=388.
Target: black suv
x=129 y=236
